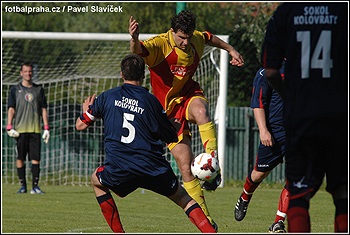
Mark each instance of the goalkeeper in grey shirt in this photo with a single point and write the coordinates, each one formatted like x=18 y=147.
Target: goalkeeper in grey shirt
x=27 y=106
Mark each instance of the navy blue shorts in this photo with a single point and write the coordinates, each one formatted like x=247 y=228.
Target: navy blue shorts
x=28 y=143
x=268 y=157
x=165 y=184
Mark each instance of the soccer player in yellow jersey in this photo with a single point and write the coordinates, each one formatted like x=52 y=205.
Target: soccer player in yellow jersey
x=173 y=58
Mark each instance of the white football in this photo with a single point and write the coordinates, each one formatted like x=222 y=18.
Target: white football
x=205 y=167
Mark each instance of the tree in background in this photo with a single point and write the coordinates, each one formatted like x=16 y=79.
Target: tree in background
x=244 y=22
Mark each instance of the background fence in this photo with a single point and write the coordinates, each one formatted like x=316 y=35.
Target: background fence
x=242 y=140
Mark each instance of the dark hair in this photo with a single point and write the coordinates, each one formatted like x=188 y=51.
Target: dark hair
x=133 y=67
x=185 y=22
x=26 y=64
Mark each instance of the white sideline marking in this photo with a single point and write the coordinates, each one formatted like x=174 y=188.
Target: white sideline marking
x=77 y=230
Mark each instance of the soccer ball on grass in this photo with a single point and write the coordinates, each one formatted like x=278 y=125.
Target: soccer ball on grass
x=205 y=167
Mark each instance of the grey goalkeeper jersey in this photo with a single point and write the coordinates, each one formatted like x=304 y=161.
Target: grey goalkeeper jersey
x=28 y=103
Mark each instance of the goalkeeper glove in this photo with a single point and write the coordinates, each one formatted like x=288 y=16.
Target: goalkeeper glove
x=46 y=134
x=11 y=132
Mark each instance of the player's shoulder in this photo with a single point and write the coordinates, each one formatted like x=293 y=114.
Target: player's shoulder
x=198 y=39
x=37 y=85
x=113 y=90
x=152 y=99
x=259 y=74
x=259 y=79
x=198 y=35
x=147 y=94
x=160 y=38
x=15 y=86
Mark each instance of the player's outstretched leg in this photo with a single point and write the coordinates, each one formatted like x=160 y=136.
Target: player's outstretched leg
x=183 y=155
x=107 y=204
x=110 y=212
x=197 y=217
x=194 y=189
x=192 y=210
x=241 y=209
x=246 y=195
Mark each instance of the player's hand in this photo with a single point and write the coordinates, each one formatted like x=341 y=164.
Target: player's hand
x=266 y=138
x=134 y=28
x=88 y=101
x=12 y=132
x=46 y=136
x=237 y=59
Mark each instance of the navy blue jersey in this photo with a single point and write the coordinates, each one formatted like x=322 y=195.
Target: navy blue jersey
x=134 y=126
x=264 y=97
x=313 y=38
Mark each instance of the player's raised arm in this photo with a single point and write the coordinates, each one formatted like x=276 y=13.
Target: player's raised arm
x=237 y=58
x=134 y=31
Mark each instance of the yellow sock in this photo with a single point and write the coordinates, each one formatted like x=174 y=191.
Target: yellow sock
x=194 y=189
x=208 y=136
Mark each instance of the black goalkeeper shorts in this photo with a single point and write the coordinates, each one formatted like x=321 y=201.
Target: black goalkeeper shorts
x=28 y=143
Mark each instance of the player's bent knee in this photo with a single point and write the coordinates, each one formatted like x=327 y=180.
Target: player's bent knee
x=94 y=180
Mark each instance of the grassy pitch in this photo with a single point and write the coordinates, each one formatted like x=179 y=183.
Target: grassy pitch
x=74 y=209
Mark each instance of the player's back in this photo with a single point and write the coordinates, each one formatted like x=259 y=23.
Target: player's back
x=132 y=120
x=314 y=39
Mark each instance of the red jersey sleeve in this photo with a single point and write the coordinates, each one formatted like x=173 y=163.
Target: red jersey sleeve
x=208 y=36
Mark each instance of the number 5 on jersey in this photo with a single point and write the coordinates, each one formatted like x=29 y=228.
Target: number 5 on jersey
x=127 y=117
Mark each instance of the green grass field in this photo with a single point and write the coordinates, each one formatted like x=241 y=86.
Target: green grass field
x=74 y=209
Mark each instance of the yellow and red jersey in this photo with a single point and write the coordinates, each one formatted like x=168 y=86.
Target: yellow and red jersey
x=172 y=68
